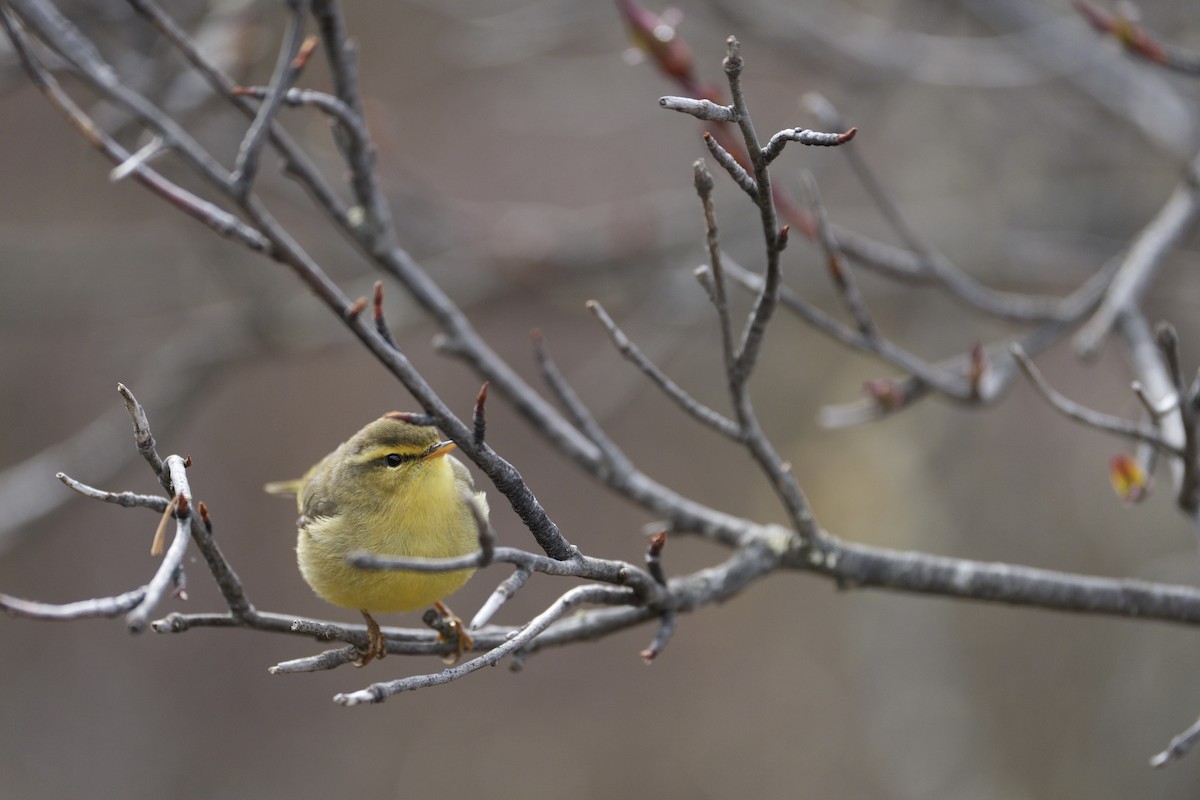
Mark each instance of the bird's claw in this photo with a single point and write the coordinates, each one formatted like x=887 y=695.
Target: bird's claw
x=376 y=643
x=454 y=631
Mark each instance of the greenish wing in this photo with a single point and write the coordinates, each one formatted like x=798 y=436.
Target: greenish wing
x=317 y=497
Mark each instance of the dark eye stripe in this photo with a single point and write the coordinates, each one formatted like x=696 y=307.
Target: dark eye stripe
x=396 y=459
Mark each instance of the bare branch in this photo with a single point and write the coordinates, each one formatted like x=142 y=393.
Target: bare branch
x=1189 y=483
x=327 y=103
x=666 y=629
x=830 y=117
x=1137 y=41
x=330 y=659
x=1090 y=417
x=843 y=278
x=1156 y=410
x=377 y=231
x=80 y=609
x=141 y=432
x=700 y=109
x=1141 y=263
x=287 y=70
x=804 y=136
x=616 y=461
x=731 y=165
x=297 y=164
x=126 y=499
x=684 y=400
x=621 y=573
x=153 y=149
x=503 y=593
x=162 y=581
x=944 y=379
x=378 y=692
x=863 y=566
x=224 y=223
x=702 y=180
x=1179 y=747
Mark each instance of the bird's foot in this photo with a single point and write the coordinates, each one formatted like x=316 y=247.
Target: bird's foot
x=376 y=643
x=454 y=631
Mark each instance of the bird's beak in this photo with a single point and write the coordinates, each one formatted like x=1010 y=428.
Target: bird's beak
x=440 y=449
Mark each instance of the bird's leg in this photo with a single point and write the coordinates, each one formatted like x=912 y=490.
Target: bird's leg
x=457 y=632
x=376 y=644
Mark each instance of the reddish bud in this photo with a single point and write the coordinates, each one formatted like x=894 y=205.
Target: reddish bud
x=978 y=366
x=378 y=300
x=886 y=392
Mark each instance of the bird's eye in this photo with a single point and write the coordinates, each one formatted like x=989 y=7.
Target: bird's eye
x=393 y=460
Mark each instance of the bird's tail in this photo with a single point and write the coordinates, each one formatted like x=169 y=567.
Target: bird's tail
x=286 y=488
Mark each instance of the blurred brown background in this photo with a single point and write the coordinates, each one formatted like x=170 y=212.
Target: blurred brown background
x=531 y=169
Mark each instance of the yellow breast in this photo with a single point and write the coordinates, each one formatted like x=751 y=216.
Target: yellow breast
x=428 y=519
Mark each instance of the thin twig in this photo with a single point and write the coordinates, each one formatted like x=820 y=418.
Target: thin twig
x=376 y=229
x=843 y=277
x=80 y=609
x=617 y=461
x=221 y=221
x=487 y=537
x=153 y=149
x=1137 y=41
x=377 y=316
x=1142 y=262
x=126 y=499
x=327 y=103
x=1179 y=746
x=1188 y=493
x=160 y=584
x=731 y=165
x=804 y=136
x=330 y=659
x=685 y=401
x=297 y=164
x=700 y=109
x=378 y=692
x=621 y=573
x=944 y=380
x=1156 y=410
x=141 y=430
x=764 y=305
x=830 y=117
x=62 y=36
x=287 y=70
x=666 y=629
x=502 y=594
x=1088 y=416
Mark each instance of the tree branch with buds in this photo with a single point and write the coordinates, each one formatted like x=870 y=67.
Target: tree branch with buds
x=614 y=594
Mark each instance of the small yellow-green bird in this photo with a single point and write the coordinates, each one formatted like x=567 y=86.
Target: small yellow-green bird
x=390 y=490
